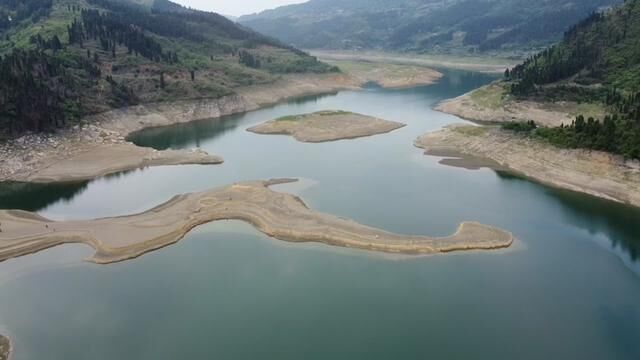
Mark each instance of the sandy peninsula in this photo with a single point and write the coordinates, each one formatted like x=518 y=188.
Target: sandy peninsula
x=592 y=172
x=280 y=215
x=326 y=126
x=5 y=348
x=493 y=104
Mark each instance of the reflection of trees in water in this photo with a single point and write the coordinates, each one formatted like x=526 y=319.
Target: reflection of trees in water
x=181 y=135
x=309 y=98
x=621 y=223
x=34 y=197
x=195 y=132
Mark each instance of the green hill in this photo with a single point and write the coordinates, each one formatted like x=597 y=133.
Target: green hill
x=602 y=49
x=62 y=59
x=598 y=61
x=423 y=25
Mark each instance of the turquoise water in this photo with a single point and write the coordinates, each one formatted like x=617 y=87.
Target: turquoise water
x=569 y=288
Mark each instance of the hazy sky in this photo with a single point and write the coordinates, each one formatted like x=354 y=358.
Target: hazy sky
x=236 y=7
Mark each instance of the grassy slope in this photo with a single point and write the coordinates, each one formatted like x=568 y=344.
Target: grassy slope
x=213 y=59
x=614 y=38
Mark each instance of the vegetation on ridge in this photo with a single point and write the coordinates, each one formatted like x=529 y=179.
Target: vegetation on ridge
x=597 y=61
x=63 y=59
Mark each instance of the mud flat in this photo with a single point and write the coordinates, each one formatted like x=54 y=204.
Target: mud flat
x=596 y=173
x=325 y=126
x=280 y=215
x=5 y=348
x=493 y=104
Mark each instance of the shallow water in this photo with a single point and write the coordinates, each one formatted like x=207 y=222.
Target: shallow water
x=569 y=287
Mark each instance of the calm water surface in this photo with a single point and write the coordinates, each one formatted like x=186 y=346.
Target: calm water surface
x=568 y=289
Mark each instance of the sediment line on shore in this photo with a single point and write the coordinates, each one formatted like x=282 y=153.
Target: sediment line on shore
x=595 y=173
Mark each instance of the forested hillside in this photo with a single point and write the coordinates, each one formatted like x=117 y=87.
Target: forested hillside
x=597 y=61
x=62 y=59
x=424 y=25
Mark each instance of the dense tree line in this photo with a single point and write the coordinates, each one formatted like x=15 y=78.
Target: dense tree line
x=599 y=49
x=51 y=44
x=560 y=61
x=248 y=59
x=603 y=48
x=618 y=133
x=110 y=30
x=33 y=91
x=45 y=83
x=20 y=10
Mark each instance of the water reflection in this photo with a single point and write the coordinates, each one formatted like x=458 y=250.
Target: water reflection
x=34 y=197
x=196 y=132
x=617 y=222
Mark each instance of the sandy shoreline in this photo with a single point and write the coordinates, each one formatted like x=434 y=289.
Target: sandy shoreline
x=596 y=173
x=46 y=157
x=326 y=126
x=5 y=348
x=279 y=215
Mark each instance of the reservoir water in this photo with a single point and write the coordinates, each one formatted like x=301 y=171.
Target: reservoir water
x=569 y=288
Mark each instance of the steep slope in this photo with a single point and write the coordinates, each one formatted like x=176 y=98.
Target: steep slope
x=598 y=62
x=423 y=25
x=581 y=93
x=63 y=59
x=601 y=49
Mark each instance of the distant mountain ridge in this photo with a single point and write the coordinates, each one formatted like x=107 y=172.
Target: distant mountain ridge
x=423 y=25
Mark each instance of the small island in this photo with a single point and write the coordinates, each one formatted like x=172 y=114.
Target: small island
x=280 y=215
x=326 y=126
x=5 y=348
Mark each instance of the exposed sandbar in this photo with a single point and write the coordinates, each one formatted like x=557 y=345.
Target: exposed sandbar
x=100 y=160
x=326 y=126
x=280 y=215
x=5 y=348
x=592 y=172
